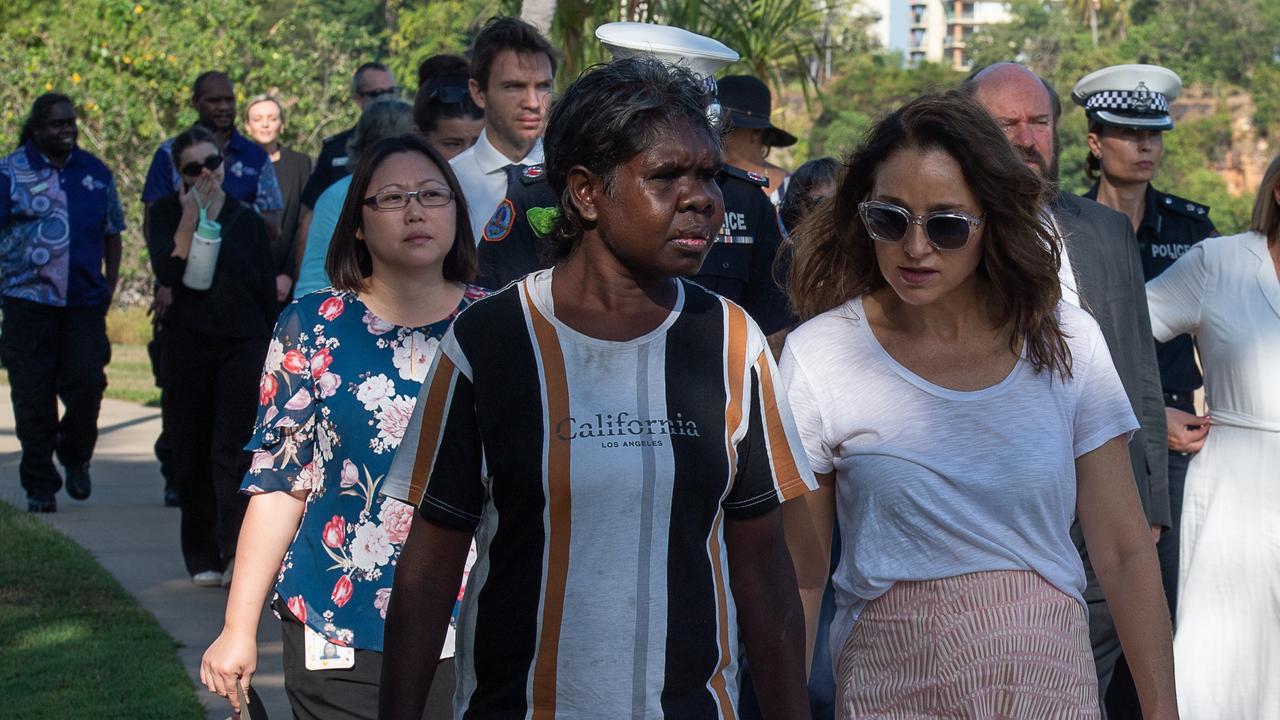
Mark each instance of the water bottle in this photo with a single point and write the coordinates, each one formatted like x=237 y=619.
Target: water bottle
x=203 y=256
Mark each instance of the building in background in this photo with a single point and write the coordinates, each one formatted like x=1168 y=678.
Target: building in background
x=933 y=30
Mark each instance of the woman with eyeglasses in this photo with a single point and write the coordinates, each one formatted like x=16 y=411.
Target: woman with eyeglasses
x=337 y=390
x=959 y=414
x=213 y=346
x=443 y=109
x=383 y=119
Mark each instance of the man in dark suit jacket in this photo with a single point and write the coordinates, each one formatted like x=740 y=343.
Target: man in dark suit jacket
x=1103 y=274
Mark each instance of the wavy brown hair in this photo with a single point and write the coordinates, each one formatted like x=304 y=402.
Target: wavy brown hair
x=834 y=258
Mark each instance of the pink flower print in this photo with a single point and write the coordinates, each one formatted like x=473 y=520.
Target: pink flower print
x=262 y=460
x=267 y=389
x=342 y=591
x=393 y=417
x=293 y=362
x=320 y=363
x=335 y=532
x=350 y=474
x=376 y=325
x=396 y=517
x=298 y=607
x=370 y=548
x=310 y=477
x=328 y=384
x=330 y=309
x=381 y=600
x=300 y=400
x=275 y=356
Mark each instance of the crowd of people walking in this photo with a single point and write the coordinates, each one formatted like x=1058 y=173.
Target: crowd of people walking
x=581 y=407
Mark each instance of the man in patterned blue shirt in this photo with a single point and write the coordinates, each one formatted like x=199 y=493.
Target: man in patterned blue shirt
x=60 y=224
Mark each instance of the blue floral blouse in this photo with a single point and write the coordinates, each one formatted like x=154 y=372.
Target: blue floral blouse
x=338 y=388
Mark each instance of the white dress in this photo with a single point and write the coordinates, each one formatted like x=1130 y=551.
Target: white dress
x=1227 y=648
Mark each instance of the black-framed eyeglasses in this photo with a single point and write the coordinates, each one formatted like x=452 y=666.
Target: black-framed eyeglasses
x=194 y=168
x=448 y=94
x=944 y=229
x=376 y=93
x=399 y=199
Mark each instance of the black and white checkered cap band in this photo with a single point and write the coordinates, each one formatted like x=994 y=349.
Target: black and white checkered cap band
x=1140 y=101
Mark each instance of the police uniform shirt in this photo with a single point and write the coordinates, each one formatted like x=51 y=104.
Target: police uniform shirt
x=1170 y=226
x=331 y=166
x=740 y=264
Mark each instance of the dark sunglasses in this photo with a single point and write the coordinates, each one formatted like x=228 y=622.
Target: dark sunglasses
x=374 y=94
x=193 y=169
x=448 y=94
x=944 y=229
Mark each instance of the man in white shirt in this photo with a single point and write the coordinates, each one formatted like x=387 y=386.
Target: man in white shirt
x=1102 y=272
x=512 y=71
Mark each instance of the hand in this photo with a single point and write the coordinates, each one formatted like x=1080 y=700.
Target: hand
x=211 y=195
x=1187 y=432
x=230 y=658
x=1155 y=533
x=284 y=284
x=161 y=301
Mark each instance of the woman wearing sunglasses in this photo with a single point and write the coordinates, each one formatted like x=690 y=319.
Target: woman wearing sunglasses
x=337 y=390
x=213 y=345
x=959 y=415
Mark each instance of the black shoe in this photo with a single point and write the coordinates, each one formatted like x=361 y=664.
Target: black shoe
x=171 y=498
x=42 y=505
x=78 y=483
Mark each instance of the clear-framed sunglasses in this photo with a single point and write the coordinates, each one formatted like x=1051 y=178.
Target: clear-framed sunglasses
x=399 y=199
x=944 y=229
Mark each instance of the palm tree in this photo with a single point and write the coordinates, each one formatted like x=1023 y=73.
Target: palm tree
x=1114 y=14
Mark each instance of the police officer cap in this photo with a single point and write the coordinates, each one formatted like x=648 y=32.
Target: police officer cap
x=673 y=45
x=1129 y=96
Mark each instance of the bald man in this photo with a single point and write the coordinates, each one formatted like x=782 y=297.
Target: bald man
x=1101 y=272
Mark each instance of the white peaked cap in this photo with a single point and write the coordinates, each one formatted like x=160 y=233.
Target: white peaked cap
x=677 y=46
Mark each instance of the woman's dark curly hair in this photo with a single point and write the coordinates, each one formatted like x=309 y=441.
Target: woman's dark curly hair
x=835 y=258
x=606 y=117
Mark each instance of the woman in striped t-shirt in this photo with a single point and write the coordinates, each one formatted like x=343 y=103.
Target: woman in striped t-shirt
x=614 y=438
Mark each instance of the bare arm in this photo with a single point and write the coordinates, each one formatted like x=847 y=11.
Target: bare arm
x=808 y=521
x=1124 y=559
x=769 y=613
x=428 y=574
x=111 y=252
x=269 y=526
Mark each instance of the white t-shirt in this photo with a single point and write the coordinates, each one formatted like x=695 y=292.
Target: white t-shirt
x=934 y=483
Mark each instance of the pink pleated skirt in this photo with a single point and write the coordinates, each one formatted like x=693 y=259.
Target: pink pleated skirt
x=989 y=645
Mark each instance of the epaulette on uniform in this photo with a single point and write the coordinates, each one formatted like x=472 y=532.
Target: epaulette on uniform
x=1186 y=207
x=752 y=177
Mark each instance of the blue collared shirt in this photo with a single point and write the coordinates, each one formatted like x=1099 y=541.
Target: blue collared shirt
x=53 y=226
x=248 y=175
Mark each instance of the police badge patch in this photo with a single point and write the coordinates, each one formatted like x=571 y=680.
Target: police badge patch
x=499 y=225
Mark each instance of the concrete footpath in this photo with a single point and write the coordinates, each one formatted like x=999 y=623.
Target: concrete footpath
x=129 y=530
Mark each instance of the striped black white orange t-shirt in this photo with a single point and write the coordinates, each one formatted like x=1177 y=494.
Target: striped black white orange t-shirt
x=598 y=476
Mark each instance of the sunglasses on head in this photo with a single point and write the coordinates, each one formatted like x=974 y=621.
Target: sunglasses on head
x=194 y=168
x=448 y=94
x=944 y=229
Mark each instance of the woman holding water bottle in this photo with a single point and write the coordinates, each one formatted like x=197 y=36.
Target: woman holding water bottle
x=215 y=254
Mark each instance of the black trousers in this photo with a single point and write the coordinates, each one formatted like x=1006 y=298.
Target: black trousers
x=1122 y=696
x=349 y=693
x=164 y=454
x=54 y=353
x=210 y=403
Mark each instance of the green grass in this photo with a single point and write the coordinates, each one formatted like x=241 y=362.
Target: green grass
x=73 y=643
x=128 y=376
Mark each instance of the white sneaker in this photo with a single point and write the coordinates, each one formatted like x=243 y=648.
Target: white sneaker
x=207 y=578
x=226 y=574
